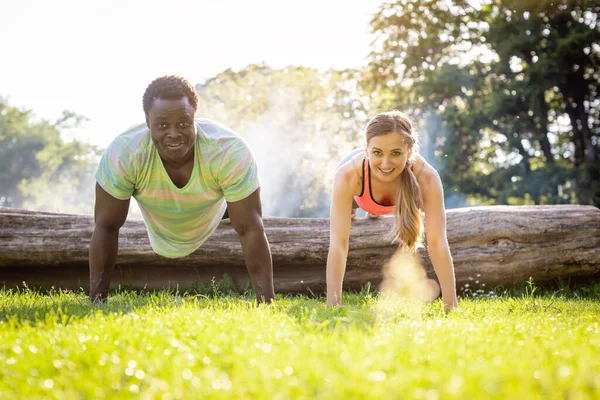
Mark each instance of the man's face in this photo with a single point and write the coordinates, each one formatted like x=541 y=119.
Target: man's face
x=173 y=130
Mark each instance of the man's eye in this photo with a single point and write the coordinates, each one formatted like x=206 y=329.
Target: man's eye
x=184 y=124
x=161 y=126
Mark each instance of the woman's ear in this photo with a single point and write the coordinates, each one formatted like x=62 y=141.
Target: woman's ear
x=367 y=151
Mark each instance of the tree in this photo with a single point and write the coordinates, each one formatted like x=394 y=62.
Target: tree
x=20 y=140
x=299 y=123
x=40 y=171
x=500 y=78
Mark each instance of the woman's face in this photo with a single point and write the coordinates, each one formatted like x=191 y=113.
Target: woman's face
x=388 y=155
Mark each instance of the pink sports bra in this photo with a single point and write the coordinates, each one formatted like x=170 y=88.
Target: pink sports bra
x=365 y=200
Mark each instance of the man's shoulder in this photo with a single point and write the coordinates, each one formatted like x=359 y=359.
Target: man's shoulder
x=134 y=139
x=218 y=140
x=212 y=130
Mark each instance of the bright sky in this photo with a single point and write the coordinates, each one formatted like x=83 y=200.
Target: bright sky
x=97 y=57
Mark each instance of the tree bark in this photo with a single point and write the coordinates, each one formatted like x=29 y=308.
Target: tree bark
x=497 y=245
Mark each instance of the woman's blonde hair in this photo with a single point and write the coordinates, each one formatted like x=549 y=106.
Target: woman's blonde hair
x=409 y=202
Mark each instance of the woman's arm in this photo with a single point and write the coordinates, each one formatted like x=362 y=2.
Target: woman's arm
x=437 y=242
x=339 y=234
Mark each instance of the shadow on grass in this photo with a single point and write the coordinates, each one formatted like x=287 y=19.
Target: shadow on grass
x=577 y=288
x=33 y=305
x=367 y=308
x=362 y=310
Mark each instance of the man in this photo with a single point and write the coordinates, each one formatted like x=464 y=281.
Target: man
x=184 y=173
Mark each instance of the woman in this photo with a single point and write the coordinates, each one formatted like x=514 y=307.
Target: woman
x=388 y=176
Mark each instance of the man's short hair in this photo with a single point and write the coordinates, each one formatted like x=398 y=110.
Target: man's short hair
x=169 y=87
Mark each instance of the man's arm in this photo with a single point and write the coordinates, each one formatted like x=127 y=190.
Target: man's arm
x=246 y=218
x=109 y=216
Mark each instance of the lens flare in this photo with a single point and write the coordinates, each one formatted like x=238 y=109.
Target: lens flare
x=403 y=276
x=405 y=287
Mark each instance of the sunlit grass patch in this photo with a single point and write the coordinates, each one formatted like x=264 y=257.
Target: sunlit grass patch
x=507 y=343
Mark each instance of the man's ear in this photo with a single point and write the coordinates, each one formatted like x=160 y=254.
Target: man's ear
x=147 y=121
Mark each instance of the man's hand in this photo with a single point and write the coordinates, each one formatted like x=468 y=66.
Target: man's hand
x=246 y=218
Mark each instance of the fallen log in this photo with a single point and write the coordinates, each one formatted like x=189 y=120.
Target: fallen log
x=496 y=245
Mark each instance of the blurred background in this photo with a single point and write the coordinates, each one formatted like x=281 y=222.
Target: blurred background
x=504 y=93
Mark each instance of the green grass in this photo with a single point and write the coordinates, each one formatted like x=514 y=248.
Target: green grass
x=520 y=343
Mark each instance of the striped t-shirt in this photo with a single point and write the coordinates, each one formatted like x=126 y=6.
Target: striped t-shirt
x=179 y=220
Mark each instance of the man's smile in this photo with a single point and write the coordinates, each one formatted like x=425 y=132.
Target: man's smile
x=174 y=145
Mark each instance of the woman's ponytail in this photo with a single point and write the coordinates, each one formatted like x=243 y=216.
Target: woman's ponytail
x=408 y=215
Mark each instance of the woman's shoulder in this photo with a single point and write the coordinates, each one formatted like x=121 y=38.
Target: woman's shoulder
x=427 y=176
x=350 y=173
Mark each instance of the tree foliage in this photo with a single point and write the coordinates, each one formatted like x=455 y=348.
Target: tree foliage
x=40 y=171
x=298 y=121
x=511 y=88
x=505 y=94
